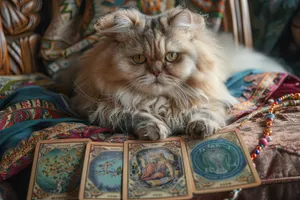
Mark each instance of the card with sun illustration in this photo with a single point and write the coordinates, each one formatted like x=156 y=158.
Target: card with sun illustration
x=102 y=171
x=156 y=170
x=220 y=163
x=56 y=170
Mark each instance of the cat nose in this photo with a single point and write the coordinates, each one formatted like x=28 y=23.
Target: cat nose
x=156 y=73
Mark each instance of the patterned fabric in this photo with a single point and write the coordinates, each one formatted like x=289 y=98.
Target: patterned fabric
x=19 y=157
x=66 y=37
x=235 y=82
x=253 y=89
x=8 y=84
x=61 y=33
x=27 y=110
x=32 y=114
x=284 y=150
x=213 y=8
x=153 y=7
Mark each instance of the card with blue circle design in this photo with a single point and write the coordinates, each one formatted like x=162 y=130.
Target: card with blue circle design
x=220 y=163
x=102 y=171
x=56 y=170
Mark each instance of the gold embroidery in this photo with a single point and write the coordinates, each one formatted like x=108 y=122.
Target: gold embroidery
x=12 y=155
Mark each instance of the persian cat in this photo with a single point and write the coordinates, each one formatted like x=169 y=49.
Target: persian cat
x=154 y=76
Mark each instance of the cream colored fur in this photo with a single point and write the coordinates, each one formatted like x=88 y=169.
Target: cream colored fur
x=189 y=95
x=239 y=58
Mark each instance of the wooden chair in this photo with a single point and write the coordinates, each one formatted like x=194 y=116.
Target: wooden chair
x=237 y=21
x=19 y=43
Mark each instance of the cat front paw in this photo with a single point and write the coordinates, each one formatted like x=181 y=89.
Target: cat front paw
x=151 y=131
x=202 y=128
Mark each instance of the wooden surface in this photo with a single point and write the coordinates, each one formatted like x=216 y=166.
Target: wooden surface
x=237 y=21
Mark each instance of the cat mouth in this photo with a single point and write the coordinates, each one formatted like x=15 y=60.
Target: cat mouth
x=157 y=82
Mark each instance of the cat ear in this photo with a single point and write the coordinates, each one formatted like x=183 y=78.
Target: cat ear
x=118 y=21
x=180 y=17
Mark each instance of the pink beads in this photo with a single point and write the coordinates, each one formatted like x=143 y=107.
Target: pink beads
x=286 y=100
x=263 y=141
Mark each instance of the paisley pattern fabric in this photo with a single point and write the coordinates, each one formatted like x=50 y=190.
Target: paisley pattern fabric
x=65 y=37
x=27 y=110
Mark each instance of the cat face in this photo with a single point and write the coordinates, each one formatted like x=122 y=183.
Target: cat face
x=152 y=61
x=171 y=54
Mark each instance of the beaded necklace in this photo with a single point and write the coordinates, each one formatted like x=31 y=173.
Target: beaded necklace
x=281 y=102
x=292 y=99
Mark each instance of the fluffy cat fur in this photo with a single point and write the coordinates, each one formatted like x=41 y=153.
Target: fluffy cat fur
x=157 y=98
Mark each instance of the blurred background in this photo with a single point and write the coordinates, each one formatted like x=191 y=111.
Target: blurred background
x=45 y=36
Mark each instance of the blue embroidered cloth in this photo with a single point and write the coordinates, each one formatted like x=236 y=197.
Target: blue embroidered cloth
x=30 y=109
x=236 y=84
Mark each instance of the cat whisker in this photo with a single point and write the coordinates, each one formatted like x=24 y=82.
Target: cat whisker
x=79 y=91
x=188 y=90
x=87 y=97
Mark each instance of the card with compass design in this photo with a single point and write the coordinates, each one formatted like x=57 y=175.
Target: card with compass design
x=56 y=170
x=156 y=170
x=220 y=163
x=102 y=171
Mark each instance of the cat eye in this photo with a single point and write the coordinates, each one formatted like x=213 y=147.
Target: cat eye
x=171 y=56
x=139 y=59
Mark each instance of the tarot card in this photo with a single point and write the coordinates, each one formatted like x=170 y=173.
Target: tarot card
x=102 y=171
x=156 y=170
x=220 y=163
x=56 y=170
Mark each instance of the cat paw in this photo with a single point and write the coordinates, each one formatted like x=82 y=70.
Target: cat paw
x=151 y=131
x=202 y=128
